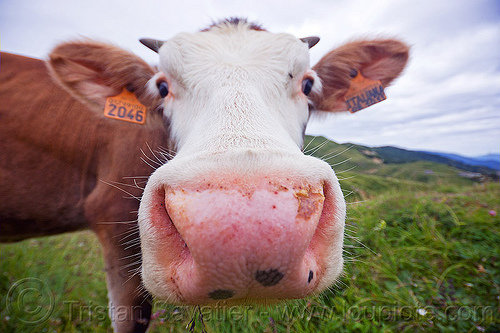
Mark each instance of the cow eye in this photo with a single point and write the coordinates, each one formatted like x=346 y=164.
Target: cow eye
x=163 y=89
x=307 y=85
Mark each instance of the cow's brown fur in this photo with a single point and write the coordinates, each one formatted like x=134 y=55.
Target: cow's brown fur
x=59 y=156
x=94 y=70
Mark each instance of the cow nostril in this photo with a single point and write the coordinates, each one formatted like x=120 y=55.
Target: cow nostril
x=311 y=275
x=269 y=278
x=220 y=294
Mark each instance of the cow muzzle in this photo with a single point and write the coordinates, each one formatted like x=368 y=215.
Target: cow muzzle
x=243 y=239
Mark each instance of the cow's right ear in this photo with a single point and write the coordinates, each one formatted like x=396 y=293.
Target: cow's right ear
x=94 y=71
x=377 y=59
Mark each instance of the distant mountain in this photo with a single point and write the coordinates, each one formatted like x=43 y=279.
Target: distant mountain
x=395 y=155
x=369 y=159
x=364 y=171
x=491 y=161
x=490 y=157
x=398 y=155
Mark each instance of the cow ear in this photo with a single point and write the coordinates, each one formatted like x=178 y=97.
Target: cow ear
x=382 y=60
x=93 y=71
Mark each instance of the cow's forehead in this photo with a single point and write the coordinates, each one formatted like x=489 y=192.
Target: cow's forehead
x=222 y=49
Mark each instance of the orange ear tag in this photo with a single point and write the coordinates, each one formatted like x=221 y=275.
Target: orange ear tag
x=363 y=93
x=125 y=106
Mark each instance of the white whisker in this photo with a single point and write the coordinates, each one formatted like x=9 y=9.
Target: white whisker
x=138 y=243
x=348 y=194
x=330 y=157
x=160 y=161
x=135 y=263
x=117 y=222
x=151 y=162
x=136 y=273
x=305 y=148
x=356 y=202
x=347 y=170
x=127 y=234
x=128 y=185
x=137 y=185
x=130 y=256
x=317 y=148
x=339 y=163
x=169 y=154
x=118 y=188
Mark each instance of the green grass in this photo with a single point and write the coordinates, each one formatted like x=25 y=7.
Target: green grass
x=65 y=271
x=422 y=254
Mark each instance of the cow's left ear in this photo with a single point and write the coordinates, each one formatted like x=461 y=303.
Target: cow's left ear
x=382 y=60
x=93 y=71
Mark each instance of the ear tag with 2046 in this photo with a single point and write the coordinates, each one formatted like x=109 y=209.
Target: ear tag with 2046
x=126 y=107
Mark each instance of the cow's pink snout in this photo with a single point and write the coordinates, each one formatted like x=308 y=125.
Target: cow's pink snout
x=240 y=241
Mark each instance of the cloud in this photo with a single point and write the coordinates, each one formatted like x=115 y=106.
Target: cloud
x=448 y=98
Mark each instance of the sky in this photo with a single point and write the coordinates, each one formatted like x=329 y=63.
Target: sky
x=447 y=100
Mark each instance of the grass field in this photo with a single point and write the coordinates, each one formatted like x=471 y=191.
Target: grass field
x=422 y=254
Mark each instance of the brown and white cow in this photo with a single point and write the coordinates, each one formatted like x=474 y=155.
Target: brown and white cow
x=240 y=214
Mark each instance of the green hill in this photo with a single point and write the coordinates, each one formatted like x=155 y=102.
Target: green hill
x=366 y=172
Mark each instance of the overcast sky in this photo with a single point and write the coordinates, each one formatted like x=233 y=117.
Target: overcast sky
x=447 y=100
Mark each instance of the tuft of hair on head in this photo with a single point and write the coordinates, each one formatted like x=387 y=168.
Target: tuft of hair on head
x=234 y=21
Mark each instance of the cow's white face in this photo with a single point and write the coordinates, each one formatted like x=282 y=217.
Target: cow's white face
x=239 y=214
x=246 y=208
x=235 y=88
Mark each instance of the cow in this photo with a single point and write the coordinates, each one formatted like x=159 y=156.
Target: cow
x=238 y=214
